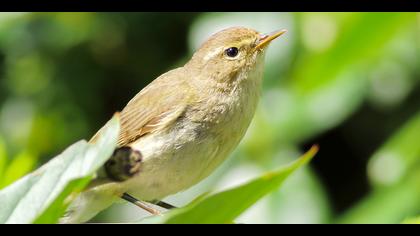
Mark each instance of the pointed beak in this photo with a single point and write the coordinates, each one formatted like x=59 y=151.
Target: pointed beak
x=265 y=39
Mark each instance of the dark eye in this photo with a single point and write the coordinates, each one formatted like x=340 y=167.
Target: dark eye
x=232 y=52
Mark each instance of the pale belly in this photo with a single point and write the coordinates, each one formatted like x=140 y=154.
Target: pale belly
x=179 y=158
x=176 y=160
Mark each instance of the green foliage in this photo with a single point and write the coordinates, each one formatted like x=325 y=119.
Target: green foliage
x=399 y=156
x=326 y=87
x=387 y=205
x=347 y=80
x=394 y=170
x=226 y=206
x=21 y=164
x=68 y=173
x=39 y=196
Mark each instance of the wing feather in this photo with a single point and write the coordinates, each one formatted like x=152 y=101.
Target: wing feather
x=154 y=108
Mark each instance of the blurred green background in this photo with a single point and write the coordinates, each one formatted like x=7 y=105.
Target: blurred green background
x=346 y=81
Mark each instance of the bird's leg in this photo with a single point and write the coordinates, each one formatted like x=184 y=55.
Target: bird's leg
x=140 y=204
x=124 y=163
x=163 y=204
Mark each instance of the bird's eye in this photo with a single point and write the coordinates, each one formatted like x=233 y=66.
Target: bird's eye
x=232 y=52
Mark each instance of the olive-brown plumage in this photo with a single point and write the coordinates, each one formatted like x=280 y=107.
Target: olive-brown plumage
x=187 y=121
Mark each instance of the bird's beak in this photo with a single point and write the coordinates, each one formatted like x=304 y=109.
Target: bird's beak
x=265 y=39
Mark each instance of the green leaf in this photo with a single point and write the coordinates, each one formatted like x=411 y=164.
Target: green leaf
x=226 y=206
x=39 y=196
x=21 y=165
x=59 y=206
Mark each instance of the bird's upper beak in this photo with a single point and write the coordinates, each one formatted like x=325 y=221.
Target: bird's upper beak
x=265 y=39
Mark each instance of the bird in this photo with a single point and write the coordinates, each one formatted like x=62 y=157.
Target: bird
x=179 y=128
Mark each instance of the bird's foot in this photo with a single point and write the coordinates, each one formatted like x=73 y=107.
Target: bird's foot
x=140 y=204
x=124 y=163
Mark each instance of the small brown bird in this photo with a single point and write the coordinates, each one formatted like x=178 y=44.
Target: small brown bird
x=184 y=124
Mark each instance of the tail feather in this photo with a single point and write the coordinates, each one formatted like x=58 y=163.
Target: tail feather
x=89 y=203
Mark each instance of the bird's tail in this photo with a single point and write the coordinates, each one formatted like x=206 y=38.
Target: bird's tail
x=104 y=189
x=92 y=200
x=89 y=203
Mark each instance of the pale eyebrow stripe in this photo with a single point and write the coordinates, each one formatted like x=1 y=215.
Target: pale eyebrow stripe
x=212 y=53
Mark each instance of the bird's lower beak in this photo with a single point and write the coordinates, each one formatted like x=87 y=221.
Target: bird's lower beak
x=265 y=39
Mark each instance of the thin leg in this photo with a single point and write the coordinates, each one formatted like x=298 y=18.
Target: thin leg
x=165 y=205
x=140 y=204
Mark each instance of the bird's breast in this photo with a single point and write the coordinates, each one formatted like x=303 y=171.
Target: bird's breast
x=197 y=143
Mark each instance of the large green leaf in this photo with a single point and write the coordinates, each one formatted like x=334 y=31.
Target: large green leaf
x=225 y=206
x=45 y=189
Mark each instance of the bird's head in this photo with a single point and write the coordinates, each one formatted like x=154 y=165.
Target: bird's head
x=232 y=52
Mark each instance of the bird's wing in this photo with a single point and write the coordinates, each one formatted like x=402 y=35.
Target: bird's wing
x=154 y=107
